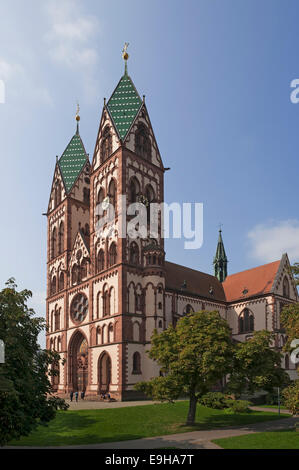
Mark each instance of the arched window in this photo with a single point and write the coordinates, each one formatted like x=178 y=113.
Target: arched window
x=160 y=324
x=188 y=309
x=57 y=320
x=75 y=274
x=60 y=238
x=142 y=142
x=136 y=363
x=150 y=196
x=100 y=199
x=100 y=261
x=84 y=269
x=53 y=243
x=106 y=302
x=112 y=193
x=286 y=287
x=134 y=253
x=134 y=190
x=53 y=285
x=86 y=195
x=110 y=333
x=106 y=146
x=246 y=321
x=61 y=281
x=287 y=362
x=112 y=254
x=138 y=302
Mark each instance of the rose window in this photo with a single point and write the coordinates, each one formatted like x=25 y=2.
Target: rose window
x=79 y=308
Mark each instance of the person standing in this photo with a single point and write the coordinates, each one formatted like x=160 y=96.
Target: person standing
x=71 y=395
x=76 y=395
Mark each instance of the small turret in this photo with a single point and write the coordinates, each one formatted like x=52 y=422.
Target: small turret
x=220 y=260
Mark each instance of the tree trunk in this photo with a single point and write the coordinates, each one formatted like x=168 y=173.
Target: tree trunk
x=192 y=409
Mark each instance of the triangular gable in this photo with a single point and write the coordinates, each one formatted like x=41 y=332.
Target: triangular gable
x=284 y=268
x=57 y=177
x=80 y=243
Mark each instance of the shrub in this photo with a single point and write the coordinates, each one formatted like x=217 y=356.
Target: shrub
x=216 y=400
x=238 y=406
x=291 y=397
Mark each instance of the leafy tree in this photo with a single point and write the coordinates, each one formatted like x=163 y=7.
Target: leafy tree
x=194 y=356
x=295 y=273
x=256 y=365
x=291 y=397
x=26 y=398
x=289 y=319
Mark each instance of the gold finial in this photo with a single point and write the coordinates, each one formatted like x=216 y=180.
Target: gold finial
x=125 y=54
x=77 y=113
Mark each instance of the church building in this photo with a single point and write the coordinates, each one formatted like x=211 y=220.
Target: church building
x=106 y=294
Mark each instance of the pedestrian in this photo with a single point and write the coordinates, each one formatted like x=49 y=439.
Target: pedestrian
x=71 y=395
x=82 y=395
x=76 y=395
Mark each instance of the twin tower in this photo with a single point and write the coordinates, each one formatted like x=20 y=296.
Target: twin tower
x=105 y=295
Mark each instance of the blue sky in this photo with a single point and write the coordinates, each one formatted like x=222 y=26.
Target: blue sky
x=216 y=75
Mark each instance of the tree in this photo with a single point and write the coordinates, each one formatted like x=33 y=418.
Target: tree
x=256 y=365
x=291 y=397
x=26 y=398
x=295 y=273
x=289 y=319
x=194 y=356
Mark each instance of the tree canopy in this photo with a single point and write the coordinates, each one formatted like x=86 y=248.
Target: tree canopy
x=26 y=398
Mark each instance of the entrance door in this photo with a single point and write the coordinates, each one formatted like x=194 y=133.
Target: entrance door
x=79 y=372
x=104 y=373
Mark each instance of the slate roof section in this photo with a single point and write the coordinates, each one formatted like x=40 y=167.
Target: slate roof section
x=252 y=282
x=197 y=283
x=72 y=161
x=124 y=105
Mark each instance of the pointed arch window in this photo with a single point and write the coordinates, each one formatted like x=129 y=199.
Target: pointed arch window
x=112 y=198
x=246 y=321
x=134 y=253
x=136 y=363
x=100 y=199
x=286 y=287
x=150 y=196
x=100 y=261
x=134 y=190
x=61 y=281
x=53 y=285
x=53 y=243
x=112 y=255
x=106 y=146
x=60 y=238
x=84 y=269
x=142 y=142
x=106 y=302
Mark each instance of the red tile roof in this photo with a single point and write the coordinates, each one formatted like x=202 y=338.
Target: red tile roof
x=255 y=281
x=197 y=283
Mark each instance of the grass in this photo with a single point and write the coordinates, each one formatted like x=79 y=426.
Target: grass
x=96 y=426
x=273 y=406
x=262 y=440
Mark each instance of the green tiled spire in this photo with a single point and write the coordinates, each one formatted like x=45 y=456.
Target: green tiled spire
x=220 y=260
x=124 y=105
x=72 y=161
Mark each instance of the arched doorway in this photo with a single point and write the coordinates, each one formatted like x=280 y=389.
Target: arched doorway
x=78 y=362
x=104 y=372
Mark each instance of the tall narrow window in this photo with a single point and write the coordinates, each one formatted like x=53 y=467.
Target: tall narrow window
x=286 y=287
x=53 y=285
x=84 y=269
x=106 y=302
x=100 y=261
x=246 y=321
x=112 y=254
x=134 y=190
x=150 y=196
x=60 y=238
x=61 y=281
x=134 y=253
x=106 y=146
x=100 y=199
x=142 y=142
x=53 y=244
x=136 y=363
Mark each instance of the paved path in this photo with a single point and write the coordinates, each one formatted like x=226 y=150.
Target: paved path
x=188 y=440
x=102 y=405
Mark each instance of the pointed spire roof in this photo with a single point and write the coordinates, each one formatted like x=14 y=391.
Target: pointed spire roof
x=72 y=161
x=220 y=252
x=124 y=105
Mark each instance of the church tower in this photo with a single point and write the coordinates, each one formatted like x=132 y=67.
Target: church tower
x=105 y=286
x=220 y=260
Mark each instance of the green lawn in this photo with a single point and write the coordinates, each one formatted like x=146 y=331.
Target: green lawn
x=262 y=440
x=95 y=426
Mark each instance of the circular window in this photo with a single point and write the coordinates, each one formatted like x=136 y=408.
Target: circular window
x=79 y=308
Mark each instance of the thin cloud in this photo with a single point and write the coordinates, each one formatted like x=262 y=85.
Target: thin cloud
x=270 y=240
